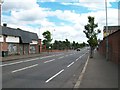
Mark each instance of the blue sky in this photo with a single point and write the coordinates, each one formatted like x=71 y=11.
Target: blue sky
x=64 y=17
x=58 y=6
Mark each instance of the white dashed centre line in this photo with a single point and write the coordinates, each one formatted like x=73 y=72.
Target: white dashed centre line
x=49 y=61
x=77 y=59
x=70 y=64
x=54 y=76
x=24 y=68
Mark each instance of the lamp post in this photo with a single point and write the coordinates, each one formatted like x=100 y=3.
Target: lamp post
x=52 y=39
x=1 y=2
x=106 y=31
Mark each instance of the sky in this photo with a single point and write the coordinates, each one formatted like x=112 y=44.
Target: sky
x=65 y=19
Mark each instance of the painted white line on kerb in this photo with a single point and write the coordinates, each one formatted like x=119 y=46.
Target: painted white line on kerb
x=49 y=61
x=24 y=68
x=54 y=76
x=70 y=64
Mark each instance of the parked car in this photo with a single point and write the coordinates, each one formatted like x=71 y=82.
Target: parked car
x=78 y=49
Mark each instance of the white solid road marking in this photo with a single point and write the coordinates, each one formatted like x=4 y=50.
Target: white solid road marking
x=31 y=60
x=58 y=54
x=78 y=83
x=18 y=62
x=11 y=63
x=61 y=57
x=66 y=55
x=54 y=76
x=70 y=64
x=49 y=61
x=27 y=60
x=24 y=68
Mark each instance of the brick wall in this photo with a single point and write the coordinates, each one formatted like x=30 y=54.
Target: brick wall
x=4 y=45
x=40 y=45
x=113 y=47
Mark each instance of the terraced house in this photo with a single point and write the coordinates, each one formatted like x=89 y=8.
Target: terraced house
x=17 y=41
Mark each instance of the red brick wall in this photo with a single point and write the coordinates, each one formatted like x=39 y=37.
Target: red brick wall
x=37 y=48
x=4 y=44
x=40 y=45
x=113 y=47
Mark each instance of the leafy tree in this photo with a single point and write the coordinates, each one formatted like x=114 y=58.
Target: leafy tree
x=73 y=45
x=91 y=34
x=55 y=44
x=47 y=38
x=67 y=43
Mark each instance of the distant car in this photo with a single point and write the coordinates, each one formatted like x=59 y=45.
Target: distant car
x=78 y=49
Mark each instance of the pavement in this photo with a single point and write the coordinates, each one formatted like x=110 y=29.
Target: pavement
x=100 y=73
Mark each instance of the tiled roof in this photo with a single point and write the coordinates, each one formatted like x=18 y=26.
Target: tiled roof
x=112 y=27
x=25 y=36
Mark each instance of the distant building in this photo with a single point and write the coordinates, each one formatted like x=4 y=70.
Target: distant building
x=16 y=41
x=111 y=29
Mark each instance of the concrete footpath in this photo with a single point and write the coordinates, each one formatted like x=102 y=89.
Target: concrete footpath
x=100 y=73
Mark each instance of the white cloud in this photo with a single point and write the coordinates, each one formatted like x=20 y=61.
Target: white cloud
x=25 y=14
x=76 y=1
x=46 y=0
x=19 y=4
x=29 y=15
x=94 y=5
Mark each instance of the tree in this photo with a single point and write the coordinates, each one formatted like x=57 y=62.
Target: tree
x=91 y=34
x=67 y=43
x=47 y=39
x=55 y=44
x=73 y=45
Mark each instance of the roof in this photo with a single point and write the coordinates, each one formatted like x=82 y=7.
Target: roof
x=25 y=36
x=112 y=27
x=118 y=31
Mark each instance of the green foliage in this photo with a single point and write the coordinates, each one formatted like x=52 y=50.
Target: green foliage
x=62 y=45
x=47 y=39
x=90 y=32
x=67 y=43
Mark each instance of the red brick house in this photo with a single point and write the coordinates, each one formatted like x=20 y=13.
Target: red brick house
x=17 y=41
x=111 y=29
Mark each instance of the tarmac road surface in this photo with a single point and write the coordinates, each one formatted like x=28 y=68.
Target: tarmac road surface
x=55 y=71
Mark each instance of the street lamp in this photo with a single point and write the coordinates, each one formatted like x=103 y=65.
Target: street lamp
x=1 y=2
x=106 y=31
